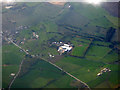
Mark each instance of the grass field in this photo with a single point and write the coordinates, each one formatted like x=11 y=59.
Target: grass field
x=79 y=50
x=80 y=46
x=105 y=54
x=110 y=81
x=11 y=57
x=102 y=43
x=97 y=52
x=86 y=70
x=38 y=77
x=96 y=15
x=112 y=19
x=81 y=68
x=6 y=77
x=67 y=80
x=111 y=57
x=86 y=18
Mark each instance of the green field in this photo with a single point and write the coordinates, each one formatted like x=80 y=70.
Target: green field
x=79 y=50
x=94 y=14
x=102 y=43
x=112 y=19
x=80 y=46
x=97 y=52
x=11 y=57
x=81 y=68
x=38 y=77
x=84 y=26
x=86 y=70
x=111 y=57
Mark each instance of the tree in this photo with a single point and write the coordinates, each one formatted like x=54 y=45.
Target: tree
x=110 y=34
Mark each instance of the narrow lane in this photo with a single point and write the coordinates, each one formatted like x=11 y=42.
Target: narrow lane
x=66 y=72
x=20 y=66
x=17 y=45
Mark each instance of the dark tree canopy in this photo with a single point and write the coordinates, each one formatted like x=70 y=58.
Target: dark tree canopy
x=110 y=34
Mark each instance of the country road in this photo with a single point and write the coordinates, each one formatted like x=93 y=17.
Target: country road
x=46 y=61
x=16 y=74
x=66 y=72
x=18 y=46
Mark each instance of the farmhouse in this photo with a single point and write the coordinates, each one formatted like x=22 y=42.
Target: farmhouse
x=12 y=74
x=64 y=48
x=8 y=7
x=35 y=35
x=103 y=71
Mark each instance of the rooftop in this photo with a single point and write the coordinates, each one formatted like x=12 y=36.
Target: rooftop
x=65 y=48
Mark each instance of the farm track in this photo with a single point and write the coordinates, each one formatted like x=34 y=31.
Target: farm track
x=20 y=66
x=45 y=61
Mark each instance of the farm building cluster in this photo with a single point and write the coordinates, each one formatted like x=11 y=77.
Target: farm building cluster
x=35 y=35
x=65 y=48
x=103 y=71
x=50 y=55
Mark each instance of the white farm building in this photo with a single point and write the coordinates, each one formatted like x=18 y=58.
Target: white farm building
x=64 y=48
